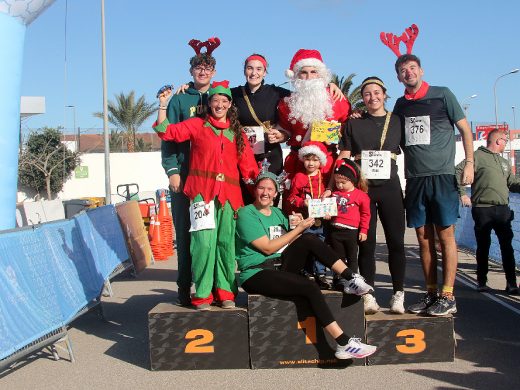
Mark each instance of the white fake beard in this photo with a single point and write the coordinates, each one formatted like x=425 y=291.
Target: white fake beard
x=310 y=101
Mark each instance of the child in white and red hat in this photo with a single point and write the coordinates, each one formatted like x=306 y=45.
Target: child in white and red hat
x=310 y=185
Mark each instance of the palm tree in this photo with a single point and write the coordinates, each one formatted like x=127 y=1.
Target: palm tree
x=127 y=115
x=345 y=84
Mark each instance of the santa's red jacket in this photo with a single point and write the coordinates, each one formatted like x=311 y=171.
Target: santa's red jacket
x=297 y=132
x=215 y=165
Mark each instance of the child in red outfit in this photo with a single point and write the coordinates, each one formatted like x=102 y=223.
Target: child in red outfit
x=305 y=186
x=351 y=223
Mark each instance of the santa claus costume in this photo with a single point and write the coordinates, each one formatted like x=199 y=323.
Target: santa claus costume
x=309 y=103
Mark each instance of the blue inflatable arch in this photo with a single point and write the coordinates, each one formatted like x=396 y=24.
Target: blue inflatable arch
x=15 y=16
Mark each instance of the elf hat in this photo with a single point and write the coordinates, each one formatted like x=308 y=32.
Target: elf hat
x=304 y=57
x=316 y=148
x=348 y=168
x=220 y=87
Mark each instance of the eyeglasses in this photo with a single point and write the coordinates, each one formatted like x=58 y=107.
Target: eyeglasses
x=205 y=69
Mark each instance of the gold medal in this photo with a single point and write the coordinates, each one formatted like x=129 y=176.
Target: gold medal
x=317 y=222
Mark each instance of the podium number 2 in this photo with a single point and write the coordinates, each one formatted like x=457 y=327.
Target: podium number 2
x=309 y=327
x=201 y=338
x=414 y=341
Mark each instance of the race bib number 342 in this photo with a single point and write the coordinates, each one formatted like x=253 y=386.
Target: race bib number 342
x=417 y=130
x=376 y=164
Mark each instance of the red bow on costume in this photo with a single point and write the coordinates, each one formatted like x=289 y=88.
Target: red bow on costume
x=211 y=44
x=223 y=83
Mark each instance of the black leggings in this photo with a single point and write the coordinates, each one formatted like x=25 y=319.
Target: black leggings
x=345 y=243
x=288 y=282
x=387 y=201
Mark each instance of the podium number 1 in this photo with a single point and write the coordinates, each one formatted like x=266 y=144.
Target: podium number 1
x=414 y=341
x=201 y=338
x=309 y=327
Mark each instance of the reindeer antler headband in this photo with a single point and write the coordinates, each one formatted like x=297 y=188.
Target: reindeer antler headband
x=211 y=44
x=393 y=41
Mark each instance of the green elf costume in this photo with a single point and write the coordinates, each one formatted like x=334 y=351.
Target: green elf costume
x=213 y=187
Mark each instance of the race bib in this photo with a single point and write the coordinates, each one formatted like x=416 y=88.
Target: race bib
x=255 y=136
x=318 y=208
x=417 y=130
x=325 y=131
x=375 y=164
x=277 y=232
x=202 y=216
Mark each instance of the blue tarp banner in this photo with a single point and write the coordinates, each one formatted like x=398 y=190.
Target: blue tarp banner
x=50 y=272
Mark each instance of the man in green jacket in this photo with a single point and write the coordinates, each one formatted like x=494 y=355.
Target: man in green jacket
x=175 y=161
x=490 y=201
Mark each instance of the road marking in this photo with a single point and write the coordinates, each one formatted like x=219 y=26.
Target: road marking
x=463 y=279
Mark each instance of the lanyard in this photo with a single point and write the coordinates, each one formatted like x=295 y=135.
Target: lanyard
x=385 y=129
x=266 y=125
x=319 y=186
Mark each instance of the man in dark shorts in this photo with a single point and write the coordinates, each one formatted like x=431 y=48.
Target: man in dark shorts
x=431 y=200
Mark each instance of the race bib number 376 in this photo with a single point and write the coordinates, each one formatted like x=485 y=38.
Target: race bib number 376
x=417 y=130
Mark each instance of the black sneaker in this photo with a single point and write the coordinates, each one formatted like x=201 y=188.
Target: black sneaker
x=336 y=284
x=322 y=281
x=483 y=287
x=511 y=289
x=184 y=296
x=442 y=307
x=426 y=301
x=307 y=274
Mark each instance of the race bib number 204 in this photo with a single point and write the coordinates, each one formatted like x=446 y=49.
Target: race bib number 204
x=417 y=130
x=202 y=216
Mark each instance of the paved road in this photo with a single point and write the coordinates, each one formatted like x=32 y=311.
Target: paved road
x=114 y=354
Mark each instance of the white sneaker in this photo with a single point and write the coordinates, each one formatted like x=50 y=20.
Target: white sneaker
x=370 y=304
x=357 y=285
x=355 y=349
x=397 y=303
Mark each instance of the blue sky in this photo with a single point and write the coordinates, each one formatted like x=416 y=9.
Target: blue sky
x=463 y=44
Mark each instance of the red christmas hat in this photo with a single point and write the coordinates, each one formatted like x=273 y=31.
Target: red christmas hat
x=304 y=57
x=316 y=148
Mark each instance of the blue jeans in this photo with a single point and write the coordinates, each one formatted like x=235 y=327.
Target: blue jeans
x=315 y=267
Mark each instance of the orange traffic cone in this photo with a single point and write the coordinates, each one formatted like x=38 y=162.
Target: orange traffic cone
x=166 y=220
x=163 y=207
x=156 y=243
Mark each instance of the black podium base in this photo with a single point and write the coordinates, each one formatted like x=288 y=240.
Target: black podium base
x=285 y=333
x=410 y=338
x=182 y=338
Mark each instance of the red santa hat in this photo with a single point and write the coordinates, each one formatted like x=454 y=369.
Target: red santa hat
x=304 y=57
x=316 y=148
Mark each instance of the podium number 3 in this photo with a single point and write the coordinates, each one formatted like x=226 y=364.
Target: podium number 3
x=201 y=338
x=309 y=326
x=414 y=341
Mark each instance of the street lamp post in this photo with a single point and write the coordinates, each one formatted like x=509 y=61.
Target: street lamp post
x=495 y=92
x=76 y=135
x=465 y=105
x=108 y=195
